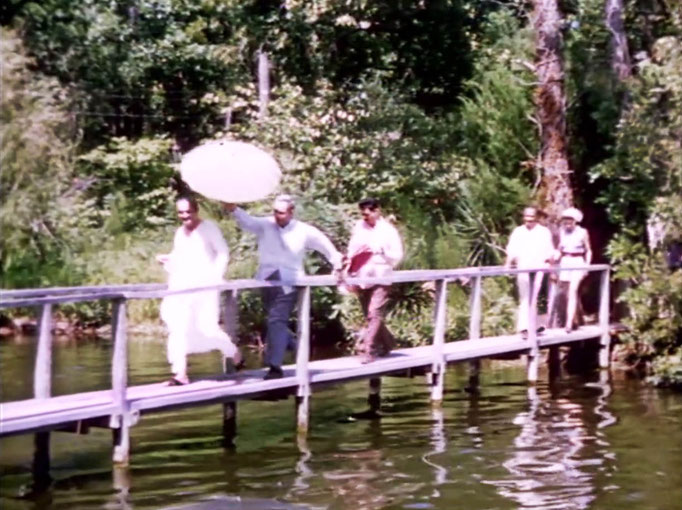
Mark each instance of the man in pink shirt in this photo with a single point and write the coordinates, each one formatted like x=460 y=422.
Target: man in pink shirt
x=530 y=247
x=375 y=248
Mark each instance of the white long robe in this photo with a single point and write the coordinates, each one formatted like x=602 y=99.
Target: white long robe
x=198 y=259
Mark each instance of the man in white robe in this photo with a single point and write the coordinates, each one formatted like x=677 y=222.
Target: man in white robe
x=199 y=259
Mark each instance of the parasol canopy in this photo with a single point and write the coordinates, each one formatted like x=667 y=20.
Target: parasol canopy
x=230 y=171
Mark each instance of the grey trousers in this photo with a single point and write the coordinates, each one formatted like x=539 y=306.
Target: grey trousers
x=278 y=307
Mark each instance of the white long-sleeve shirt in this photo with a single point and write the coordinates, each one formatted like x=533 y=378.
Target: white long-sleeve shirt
x=283 y=248
x=382 y=240
x=530 y=248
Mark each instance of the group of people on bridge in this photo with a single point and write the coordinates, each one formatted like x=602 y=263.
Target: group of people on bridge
x=200 y=256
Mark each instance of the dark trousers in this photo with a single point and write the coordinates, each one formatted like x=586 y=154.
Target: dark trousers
x=279 y=338
x=376 y=339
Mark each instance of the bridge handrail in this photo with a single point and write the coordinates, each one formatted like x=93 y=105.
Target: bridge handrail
x=56 y=295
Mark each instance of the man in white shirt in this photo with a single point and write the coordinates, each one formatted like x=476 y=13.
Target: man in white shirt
x=282 y=244
x=530 y=246
x=374 y=249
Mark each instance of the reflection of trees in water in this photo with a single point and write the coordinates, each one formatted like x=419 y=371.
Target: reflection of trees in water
x=356 y=484
x=550 y=455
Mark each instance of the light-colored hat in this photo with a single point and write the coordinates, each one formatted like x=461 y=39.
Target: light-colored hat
x=574 y=213
x=283 y=203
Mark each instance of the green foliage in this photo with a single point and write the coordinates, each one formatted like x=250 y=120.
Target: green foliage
x=496 y=124
x=644 y=184
x=128 y=182
x=654 y=301
x=37 y=141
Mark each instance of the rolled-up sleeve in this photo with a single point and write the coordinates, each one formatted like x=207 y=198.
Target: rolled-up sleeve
x=319 y=242
x=248 y=222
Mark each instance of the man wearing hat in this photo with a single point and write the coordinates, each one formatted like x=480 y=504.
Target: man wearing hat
x=530 y=247
x=574 y=251
x=282 y=244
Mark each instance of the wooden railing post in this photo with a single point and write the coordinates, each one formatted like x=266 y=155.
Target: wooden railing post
x=440 y=322
x=231 y=327
x=534 y=351
x=475 y=331
x=42 y=375
x=121 y=421
x=302 y=360
x=231 y=314
x=605 y=338
x=42 y=388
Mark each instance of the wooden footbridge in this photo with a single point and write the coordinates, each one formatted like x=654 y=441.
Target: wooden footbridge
x=121 y=406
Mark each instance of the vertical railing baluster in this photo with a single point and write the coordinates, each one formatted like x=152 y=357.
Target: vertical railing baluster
x=120 y=422
x=231 y=326
x=42 y=376
x=440 y=323
x=475 y=331
x=534 y=351
x=42 y=388
x=605 y=337
x=302 y=360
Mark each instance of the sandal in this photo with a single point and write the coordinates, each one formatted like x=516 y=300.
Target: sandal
x=175 y=382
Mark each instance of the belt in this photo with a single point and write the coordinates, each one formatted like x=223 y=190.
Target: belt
x=581 y=254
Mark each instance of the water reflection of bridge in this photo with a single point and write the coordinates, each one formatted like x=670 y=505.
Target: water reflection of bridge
x=121 y=406
x=549 y=467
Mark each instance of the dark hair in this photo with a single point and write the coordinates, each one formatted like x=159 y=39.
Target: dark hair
x=369 y=203
x=191 y=199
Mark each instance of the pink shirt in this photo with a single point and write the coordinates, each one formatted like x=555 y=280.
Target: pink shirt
x=383 y=241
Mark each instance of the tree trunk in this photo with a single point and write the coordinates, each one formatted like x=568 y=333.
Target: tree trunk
x=620 y=54
x=555 y=193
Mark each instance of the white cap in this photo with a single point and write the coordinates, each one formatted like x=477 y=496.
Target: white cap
x=283 y=203
x=574 y=213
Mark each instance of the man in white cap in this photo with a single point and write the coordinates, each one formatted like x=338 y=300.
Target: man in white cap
x=282 y=244
x=574 y=251
x=530 y=247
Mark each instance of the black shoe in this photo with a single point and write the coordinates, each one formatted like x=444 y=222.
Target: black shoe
x=274 y=373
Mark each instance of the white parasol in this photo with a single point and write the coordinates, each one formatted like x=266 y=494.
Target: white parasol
x=230 y=171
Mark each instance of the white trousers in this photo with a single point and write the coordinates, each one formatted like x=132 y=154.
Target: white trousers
x=527 y=298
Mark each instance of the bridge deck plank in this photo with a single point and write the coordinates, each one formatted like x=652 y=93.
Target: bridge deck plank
x=33 y=414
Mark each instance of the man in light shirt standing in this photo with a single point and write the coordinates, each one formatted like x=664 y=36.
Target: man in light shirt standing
x=375 y=248
x=282 y=244
x=530 y=246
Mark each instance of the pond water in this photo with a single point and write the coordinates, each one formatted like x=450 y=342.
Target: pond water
x=576 y=445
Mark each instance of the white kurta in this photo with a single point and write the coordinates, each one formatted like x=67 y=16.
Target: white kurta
x=198 y=259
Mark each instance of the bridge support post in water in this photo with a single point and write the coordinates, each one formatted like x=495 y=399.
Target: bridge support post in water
x=121 y=421
x=439 y=366
x=605 y=339
x=302 y=360
x=230 y=325
x=533 y=357
x=554 y=361
x=229 y=424
x=474 y=332
x=42 y=388
x=374 y=397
